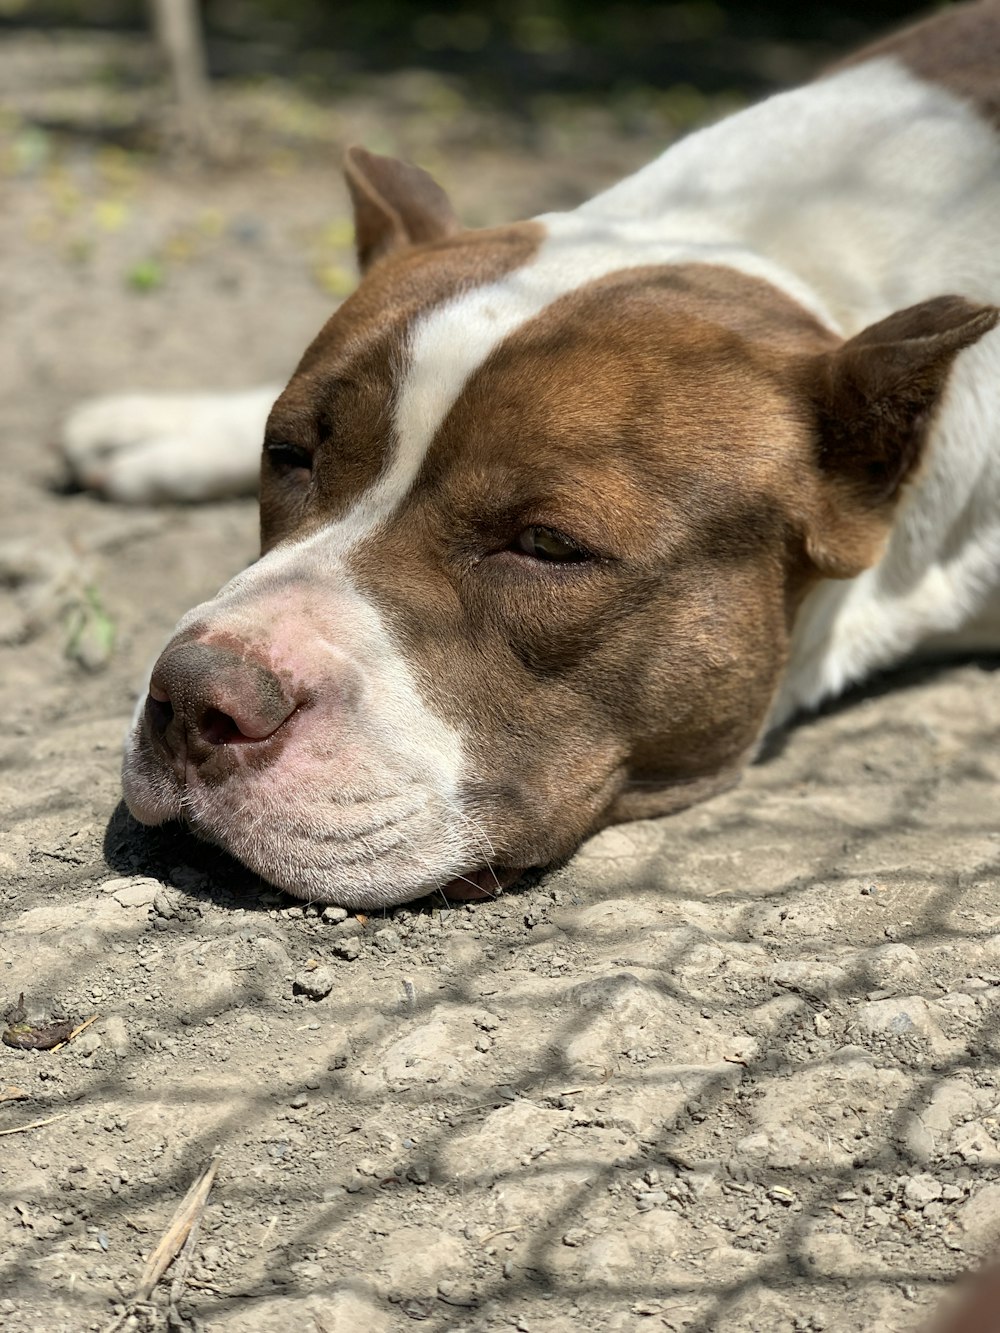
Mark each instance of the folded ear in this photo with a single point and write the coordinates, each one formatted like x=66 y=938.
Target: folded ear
x=395 y=204
x=874 y=398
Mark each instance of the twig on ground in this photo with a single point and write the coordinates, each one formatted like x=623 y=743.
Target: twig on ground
x=188 y=1213
x=34 y=1124
x=76 y=1031
x=184 y=1263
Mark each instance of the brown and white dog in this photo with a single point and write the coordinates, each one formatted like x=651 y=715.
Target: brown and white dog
x=558 y=517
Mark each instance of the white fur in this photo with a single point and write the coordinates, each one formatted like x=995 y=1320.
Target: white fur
x=875 y=188
x=143 y=448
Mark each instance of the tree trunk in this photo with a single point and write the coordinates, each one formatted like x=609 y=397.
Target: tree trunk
x=178 y=31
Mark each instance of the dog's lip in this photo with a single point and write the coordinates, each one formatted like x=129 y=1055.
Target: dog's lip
x=480 y=884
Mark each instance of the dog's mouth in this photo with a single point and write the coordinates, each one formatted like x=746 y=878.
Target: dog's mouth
x=292 y=862
x=478 y=885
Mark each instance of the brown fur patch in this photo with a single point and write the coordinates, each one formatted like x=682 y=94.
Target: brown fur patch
x=958 y=48
x=650 y=417
x=875 y=398
x=670 y=422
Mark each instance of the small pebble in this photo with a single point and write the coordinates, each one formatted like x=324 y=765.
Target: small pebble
x=349 y=926
x=163 y=905
x=921 y=1190
x=315 y=984
x=87 y=1043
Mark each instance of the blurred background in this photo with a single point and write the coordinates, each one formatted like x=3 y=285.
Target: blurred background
x=518 y=105
x=507 y=50
x=92 y=66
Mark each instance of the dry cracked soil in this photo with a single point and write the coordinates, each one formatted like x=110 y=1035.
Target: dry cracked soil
x=736 y=1070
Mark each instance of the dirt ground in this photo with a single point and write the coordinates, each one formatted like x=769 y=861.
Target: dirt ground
x=736 y=1070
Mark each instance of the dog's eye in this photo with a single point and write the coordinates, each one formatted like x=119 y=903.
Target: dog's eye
x=546 y=544
x=288 y=457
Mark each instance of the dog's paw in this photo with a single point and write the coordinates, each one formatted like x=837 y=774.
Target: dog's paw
x=144 y=448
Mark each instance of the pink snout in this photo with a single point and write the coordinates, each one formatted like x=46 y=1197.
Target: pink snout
x=205 y=696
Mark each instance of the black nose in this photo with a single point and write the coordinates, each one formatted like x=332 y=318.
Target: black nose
x=202 y=696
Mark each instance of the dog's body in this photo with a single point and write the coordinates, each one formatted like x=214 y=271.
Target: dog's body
x=559 y=517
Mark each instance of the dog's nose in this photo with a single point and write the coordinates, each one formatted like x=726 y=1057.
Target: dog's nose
x=202 y=696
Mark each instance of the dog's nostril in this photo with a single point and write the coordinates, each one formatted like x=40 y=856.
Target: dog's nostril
x=218 y=728
x=160 y=711
x=203 y=699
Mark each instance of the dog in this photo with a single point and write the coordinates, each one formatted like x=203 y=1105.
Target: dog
x=559 y=518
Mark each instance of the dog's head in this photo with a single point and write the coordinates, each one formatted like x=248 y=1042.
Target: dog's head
x=538 y=508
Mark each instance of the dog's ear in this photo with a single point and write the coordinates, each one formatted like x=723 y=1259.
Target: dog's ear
x=395 y=204
x=873 y=398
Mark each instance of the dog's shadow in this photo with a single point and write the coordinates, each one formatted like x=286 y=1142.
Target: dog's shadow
x=897 y=681
x=172 y=854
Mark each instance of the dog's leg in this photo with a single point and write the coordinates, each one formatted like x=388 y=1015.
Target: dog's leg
x=143 y=448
